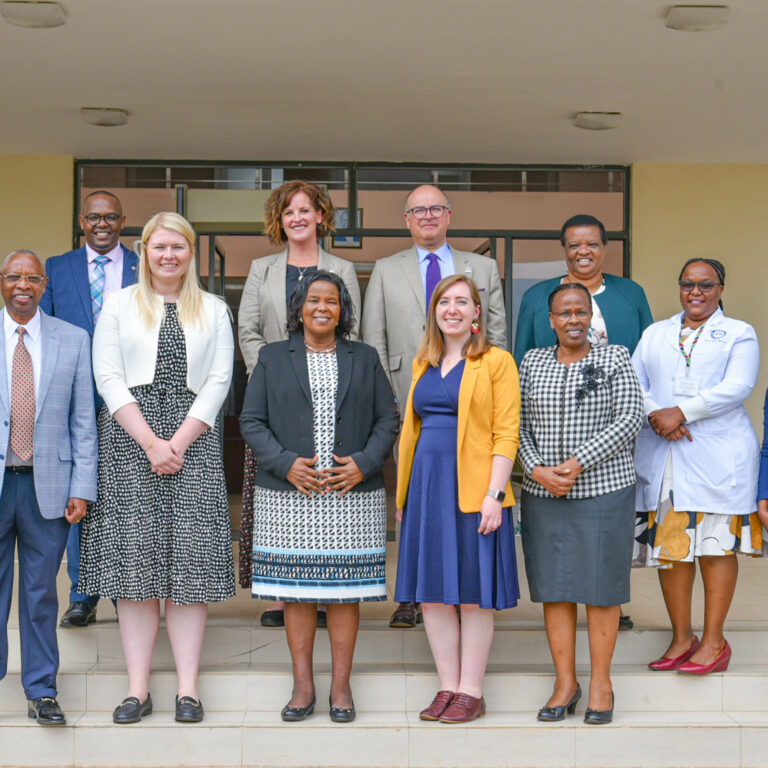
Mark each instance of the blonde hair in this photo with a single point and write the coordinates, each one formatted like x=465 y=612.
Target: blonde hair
x=190 y=303
x=431 y=349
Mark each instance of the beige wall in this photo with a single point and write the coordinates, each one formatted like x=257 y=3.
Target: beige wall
x=36 y=195
x=715 y=211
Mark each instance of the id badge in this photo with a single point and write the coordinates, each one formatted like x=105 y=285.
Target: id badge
x=688 y=386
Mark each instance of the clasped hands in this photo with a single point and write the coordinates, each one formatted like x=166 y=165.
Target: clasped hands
x=165 y=456
x=341 y=478
x=559 y=479
x=669 y=423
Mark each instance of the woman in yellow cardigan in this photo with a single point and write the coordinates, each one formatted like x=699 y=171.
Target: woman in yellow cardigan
x=457 y=447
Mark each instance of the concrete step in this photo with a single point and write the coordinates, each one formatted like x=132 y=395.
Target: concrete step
x=384 y=739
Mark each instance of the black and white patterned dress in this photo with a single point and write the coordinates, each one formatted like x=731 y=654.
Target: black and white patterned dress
x=320 y=549
x=150 y=536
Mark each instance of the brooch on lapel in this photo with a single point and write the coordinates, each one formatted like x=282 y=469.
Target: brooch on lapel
x=592 y=377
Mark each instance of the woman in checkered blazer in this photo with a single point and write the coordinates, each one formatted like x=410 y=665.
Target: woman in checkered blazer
x=582 y=408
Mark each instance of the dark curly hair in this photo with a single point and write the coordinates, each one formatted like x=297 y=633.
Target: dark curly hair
x=299 y=297
x=281 y=198
x=583 y=220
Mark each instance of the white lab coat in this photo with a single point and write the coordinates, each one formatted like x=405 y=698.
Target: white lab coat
x=717 y=470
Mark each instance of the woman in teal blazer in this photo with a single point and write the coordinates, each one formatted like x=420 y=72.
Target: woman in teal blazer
x=621 y=302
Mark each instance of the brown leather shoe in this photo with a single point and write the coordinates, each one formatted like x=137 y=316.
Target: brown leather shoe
x=438 y=706
x=406 y=616
x=463 y=709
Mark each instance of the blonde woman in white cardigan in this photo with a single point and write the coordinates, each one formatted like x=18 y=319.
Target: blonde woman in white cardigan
x=162 y=359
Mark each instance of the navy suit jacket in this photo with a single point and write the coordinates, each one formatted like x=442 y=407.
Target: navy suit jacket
x=68 y=294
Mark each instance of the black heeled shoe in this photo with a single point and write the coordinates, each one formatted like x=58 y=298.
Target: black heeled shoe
x=600 y=716
x=297 y=714
x=553 y=714
x=342 y=715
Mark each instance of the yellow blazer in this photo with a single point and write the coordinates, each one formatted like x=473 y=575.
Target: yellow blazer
x=489 y=424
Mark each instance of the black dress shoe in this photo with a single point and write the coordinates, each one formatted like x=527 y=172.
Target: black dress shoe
x=46 y=711
x=554 y=714
x=131 y=710
x=406 y=616
x=274 y=618
x=322 y=619
x=342 y=715
x=188 y=710
x=78 y=614
x=599 y=716
x=295 y=714
x=625 y=622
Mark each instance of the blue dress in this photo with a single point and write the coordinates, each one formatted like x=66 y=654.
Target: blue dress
x=442 y=557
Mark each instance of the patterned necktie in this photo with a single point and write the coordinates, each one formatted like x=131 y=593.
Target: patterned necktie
x=433 y=276
x=97 y=286
x=22 y=400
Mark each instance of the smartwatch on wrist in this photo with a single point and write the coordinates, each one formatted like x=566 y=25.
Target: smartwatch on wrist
x=498 y=495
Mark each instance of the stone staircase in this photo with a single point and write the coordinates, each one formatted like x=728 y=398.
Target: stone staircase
x=662 y=719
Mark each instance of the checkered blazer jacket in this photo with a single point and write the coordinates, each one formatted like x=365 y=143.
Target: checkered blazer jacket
x=591 y=410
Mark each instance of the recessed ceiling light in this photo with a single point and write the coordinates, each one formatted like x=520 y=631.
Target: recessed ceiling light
x=30 y=13
x=597 y=121
x=105 y=116
x=697 y=18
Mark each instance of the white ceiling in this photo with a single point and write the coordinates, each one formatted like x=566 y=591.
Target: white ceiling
x=426 y=80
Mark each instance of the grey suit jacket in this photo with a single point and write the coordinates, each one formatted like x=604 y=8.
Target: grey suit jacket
x=65 y=447
x=262 y=316
x=394 y=316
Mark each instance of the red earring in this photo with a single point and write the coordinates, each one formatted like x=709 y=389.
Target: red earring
x=475 y=327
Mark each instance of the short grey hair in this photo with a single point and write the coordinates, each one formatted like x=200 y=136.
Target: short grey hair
x=19 y=252
x=447 y=201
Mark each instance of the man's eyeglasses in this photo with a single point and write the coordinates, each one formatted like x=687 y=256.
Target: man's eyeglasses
x=435 y=211
x=94 y=218
x=686 y=286
x=13 y=278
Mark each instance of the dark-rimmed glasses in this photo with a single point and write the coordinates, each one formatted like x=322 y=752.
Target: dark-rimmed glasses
x=111 y=218
x=435 y=211
x=705 y=286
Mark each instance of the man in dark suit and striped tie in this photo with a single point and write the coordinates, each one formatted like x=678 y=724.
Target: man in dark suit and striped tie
x=78 y=283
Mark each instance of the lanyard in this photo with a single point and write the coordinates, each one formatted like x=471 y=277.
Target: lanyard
x=687 y=357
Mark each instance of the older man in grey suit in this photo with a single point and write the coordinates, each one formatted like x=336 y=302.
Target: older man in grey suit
x=48 y=447
x=397 y=297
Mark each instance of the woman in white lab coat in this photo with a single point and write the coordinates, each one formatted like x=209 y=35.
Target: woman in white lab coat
x=696 y=462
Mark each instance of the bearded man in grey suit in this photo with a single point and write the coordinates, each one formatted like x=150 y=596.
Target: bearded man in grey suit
x=396 y=300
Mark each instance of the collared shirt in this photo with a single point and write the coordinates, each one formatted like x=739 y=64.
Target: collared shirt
x=33 y=343
x=113 y=269
x=444 y=259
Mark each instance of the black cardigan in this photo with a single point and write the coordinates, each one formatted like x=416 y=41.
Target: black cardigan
x=277 y=416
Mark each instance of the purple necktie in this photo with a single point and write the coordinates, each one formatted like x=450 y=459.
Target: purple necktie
x=433 y=276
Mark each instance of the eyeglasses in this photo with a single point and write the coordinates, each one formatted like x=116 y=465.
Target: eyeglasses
x=686 y=286
x=13 y=278
x=435 y=211
x=581 y=314
x=94 y=218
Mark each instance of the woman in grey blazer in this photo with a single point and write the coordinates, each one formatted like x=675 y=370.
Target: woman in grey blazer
x=296 y=215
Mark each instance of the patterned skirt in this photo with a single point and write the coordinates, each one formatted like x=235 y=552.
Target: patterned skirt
x=666 y=535
x=319 y=549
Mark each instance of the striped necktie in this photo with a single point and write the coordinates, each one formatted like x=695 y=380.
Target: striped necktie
x=97 y=286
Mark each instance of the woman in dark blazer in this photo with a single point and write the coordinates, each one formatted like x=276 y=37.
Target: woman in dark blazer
x=320 y=417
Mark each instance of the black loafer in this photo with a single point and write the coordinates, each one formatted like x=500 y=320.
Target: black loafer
x=78 y=614
x=296 y=714
x=322 y=619
x=339 y=715
x=131 y=710
x=626 y=623
x=46 y=711
x=599 y=716
x=555 y=714
x=274 y=618
x=188 y=710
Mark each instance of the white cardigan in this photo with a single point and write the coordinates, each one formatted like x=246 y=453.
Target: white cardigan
x=125 y=353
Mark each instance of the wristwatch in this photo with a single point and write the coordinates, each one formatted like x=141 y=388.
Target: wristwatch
x=498 y=495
